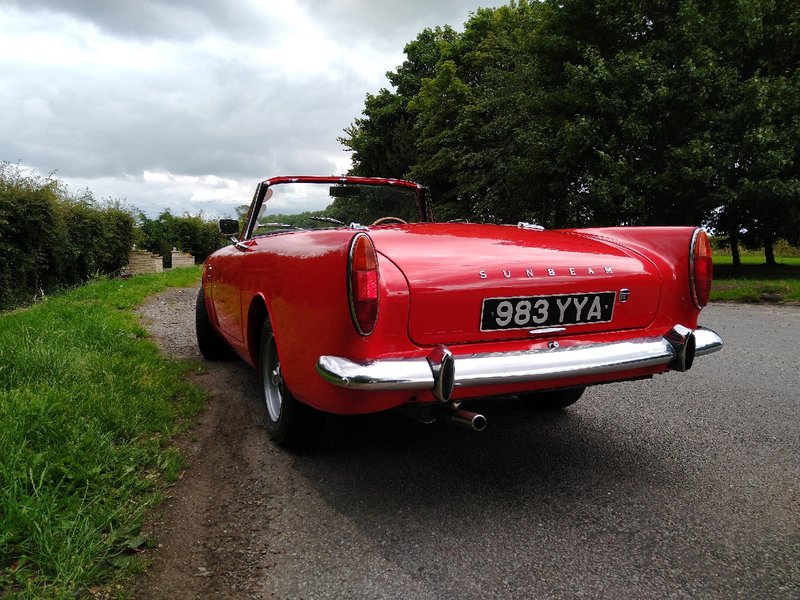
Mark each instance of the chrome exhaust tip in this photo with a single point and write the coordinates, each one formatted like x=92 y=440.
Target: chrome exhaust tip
x=428 y=414
x=464 y=418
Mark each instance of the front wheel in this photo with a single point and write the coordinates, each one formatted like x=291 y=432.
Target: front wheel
x=286 y=416
x=553 y=400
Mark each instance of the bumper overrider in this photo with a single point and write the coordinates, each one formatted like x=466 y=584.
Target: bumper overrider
x=440 y=371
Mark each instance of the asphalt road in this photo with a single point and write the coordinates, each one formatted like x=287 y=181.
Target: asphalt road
x=684 y=486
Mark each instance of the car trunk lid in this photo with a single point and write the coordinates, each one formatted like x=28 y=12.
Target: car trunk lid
x=473 y=283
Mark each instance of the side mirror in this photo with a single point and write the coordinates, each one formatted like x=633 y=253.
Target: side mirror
x=228 y=227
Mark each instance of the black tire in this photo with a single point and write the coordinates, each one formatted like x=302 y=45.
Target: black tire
x=287 y=419
x=554 y=400
x=211 y=344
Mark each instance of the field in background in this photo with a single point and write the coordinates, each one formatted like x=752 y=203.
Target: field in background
x=754 y=281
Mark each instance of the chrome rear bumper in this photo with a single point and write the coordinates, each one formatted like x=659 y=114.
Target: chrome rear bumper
x=441 y=371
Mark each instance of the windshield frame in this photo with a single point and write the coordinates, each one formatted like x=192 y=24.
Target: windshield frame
x=261 y=194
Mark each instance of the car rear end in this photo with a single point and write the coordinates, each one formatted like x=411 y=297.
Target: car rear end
x=483 y=310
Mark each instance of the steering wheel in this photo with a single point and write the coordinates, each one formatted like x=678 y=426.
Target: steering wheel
x=383 y=220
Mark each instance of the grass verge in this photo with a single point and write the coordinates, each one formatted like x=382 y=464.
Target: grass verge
x=87 y=408
x=749 y=281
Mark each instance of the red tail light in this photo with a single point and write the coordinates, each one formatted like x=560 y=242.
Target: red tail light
x=700 y=268
x=363 y=284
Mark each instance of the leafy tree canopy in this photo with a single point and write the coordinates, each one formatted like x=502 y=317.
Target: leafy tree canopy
x=586 y=112
x=194 y=234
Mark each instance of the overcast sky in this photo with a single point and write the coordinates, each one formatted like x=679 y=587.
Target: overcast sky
x=186 y=104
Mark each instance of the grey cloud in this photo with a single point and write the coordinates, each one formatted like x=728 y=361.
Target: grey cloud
x=212 y=114
x=386 y=23
x=156 y=19
x=207 y=123
x=389 y=25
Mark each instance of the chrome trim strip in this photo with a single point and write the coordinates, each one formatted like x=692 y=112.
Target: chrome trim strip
x=350 y=290
x=575 y=361
x=511 y=367
x=546 y=330
x=408 y=374
x=692 y=267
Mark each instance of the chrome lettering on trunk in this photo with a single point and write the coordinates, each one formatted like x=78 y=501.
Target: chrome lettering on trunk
x=551 y=272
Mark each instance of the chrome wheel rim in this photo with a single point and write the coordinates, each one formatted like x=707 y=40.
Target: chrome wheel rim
x=273 y=380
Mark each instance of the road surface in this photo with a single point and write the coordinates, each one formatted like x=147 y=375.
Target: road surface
x=683 y=486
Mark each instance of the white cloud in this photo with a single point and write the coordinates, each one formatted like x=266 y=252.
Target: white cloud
x=187 y=104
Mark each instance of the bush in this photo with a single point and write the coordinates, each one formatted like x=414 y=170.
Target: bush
x=188 y=233
x=50 y=239
x=782 y=248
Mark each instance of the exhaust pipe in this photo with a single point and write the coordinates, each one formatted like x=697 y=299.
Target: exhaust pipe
x=463 y=417
x=429 y=414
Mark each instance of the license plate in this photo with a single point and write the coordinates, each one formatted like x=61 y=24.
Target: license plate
x=530 y=312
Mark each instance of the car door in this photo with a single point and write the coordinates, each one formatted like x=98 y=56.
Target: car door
x=224 y=273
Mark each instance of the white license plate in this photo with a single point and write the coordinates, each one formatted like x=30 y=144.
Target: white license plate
x=530 y=312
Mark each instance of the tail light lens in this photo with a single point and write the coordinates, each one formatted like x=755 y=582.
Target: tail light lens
x=700 y=268
x=363 y=284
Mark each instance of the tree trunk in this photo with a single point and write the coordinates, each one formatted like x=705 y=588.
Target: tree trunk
x=737 y=259
x=769 y=252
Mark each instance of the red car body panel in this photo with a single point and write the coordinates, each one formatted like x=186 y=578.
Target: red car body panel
x=434 y=278
x=451 y=268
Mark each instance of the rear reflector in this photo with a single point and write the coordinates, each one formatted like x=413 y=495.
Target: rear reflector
x=700 y=269
x=363 y=284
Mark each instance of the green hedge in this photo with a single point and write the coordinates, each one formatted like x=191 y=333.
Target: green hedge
x=50 y=239
x=194 y=234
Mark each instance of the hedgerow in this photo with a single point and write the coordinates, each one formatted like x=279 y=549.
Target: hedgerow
x=51 y=239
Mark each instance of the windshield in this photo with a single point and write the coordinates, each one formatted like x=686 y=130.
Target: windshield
x=309 y=205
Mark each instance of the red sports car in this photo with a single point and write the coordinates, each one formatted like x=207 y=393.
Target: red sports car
x=347 y=296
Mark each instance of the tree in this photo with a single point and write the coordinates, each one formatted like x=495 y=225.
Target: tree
x=584 y=112
x=383 y=142
x=188 y=233
x=755 y=131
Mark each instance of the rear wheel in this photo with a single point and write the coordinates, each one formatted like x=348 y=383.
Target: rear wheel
x=553 y=400
x=211 y=344
x=287 y=418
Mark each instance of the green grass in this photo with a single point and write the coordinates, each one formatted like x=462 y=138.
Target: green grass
x=747 y=282
x=746 y=260
x=87 y=408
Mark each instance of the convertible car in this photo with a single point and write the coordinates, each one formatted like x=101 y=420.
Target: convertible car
x=348 y=297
